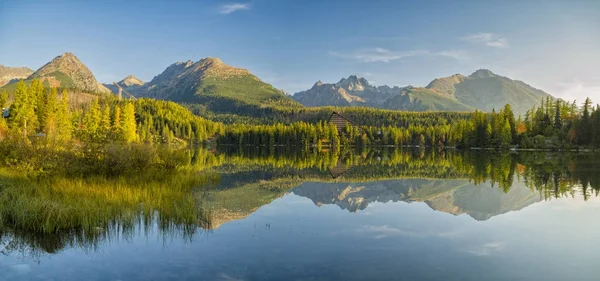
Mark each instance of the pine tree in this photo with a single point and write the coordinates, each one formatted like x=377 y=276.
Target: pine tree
x=48 y=115
x=557 y=116
x=510 y=116
x=105 y=126
x=505 y=134
x=3 y=99
x=584 y=125
x=166 y=134
x=91 y=121
x=128 y=123
x=64 y=119
x=117 y=127
x=22 y=117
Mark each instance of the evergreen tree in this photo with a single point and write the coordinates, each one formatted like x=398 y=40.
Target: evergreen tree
x=91 y=121
x=3 y=99
x=506 y=134
x=48 y=116
x=557 y=115
x=64 y=119
x=105 y=126
x=510 y=116
x=584 y=125
x=128 y=123
x=22 y=117
x=117 y=127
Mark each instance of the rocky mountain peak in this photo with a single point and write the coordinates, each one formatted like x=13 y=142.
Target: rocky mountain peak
x=68 y=64
x=131 y=80
x=482 y=73
x=187 y=63
x=215 y=67
x=353 y=83
x=212 y=60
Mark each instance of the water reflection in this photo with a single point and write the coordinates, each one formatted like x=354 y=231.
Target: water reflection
x=235 y=197
x=456 y=197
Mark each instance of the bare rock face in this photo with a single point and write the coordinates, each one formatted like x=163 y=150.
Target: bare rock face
x=131 y=81
x=8 y=74
x=349 y=91
x=70 y=66
x=482 y=90
x=131 y=84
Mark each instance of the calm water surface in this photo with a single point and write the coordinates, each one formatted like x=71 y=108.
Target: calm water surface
x=282 y=223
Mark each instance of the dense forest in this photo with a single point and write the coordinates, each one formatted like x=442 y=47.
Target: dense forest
x=43 y=131
x=555 y=124
x=39 y=114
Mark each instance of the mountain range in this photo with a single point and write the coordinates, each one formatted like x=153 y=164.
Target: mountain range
x=481 y=90
x=211 y=85
x=10 y=74
x=456 y=197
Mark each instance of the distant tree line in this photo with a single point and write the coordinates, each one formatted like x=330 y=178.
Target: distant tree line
x=555 y=124
x=41 y=112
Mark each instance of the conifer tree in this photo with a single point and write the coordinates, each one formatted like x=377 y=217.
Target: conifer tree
x=48 y=116
x=64 y=119
x=22 y=117
x=128 y=123
x=3 y=99
x=117 y=128
x=557 y=115
x=105 y=126
x=91 y=121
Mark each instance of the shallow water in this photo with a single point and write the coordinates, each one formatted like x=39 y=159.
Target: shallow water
x=387 y=228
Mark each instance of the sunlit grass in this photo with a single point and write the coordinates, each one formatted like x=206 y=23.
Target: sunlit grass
x=57 y=204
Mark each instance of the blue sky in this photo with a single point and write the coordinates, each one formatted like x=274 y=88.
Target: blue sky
x=552 y=45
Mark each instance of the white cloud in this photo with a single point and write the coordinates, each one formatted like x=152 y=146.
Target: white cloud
x=384 y=231
x=385 y=55
x=578 y=90
x=487 y=39
x=486 y=249
x=230 y=8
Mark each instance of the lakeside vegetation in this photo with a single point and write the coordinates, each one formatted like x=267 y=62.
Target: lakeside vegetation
x=211 y=188
x=84 y=171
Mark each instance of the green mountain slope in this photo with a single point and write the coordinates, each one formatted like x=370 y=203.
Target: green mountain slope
x=210 y=84
x=482 y=90
x=65 y=71
x=355 y=91
x=422 y=99
x=486 y=91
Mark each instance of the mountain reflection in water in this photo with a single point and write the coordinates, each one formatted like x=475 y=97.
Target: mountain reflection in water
x=236 y=197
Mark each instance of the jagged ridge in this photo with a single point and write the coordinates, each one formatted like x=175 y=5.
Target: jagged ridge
x=356 y=91
x=10 y=74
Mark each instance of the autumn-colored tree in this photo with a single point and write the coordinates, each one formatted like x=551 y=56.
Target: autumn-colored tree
x=128 y=123
x=64 y=118
x=22 y=117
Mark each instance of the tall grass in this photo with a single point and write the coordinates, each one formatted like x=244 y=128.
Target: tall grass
x=87 y=210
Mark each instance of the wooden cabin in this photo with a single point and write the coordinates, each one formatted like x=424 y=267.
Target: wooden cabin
x=340 y=121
